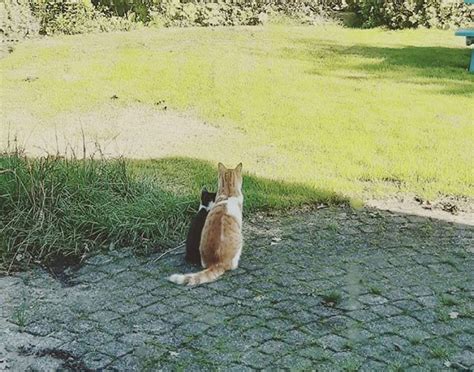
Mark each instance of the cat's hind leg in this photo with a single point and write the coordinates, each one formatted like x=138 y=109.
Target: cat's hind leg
x=235 y=261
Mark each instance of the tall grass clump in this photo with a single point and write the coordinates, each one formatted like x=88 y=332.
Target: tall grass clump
x=55 y=209
x=52 y=207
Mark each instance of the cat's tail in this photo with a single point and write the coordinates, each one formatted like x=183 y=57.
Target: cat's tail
x=205 y=276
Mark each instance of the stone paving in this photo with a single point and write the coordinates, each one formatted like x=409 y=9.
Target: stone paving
x=334 y=289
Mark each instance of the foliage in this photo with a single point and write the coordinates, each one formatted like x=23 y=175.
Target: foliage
x=397 y=14
x=138 y=10
x=74 y=17
x=218 y=13
x=17 y=20
x=80 y=16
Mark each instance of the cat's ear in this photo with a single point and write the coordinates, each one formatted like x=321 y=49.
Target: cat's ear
x=238 y=168
x=204 y=189
x=221 y=167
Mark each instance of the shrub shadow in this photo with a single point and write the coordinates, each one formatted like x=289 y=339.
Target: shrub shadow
x=187 y=176
x=442 y=66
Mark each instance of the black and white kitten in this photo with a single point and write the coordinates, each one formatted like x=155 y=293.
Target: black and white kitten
x=194 y=235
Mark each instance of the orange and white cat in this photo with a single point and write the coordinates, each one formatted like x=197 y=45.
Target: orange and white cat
x=221 y=239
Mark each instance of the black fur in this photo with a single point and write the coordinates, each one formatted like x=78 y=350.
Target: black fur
x=193 y=240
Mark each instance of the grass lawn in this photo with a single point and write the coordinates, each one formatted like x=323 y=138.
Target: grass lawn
x=314 y=113
x=363 y=113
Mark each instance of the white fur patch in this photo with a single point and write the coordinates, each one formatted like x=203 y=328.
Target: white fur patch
x=235 y=260
x=177 y=278
x=234 y=208
x=202 y=206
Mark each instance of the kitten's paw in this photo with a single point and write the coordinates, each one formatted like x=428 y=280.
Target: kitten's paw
x=177 y=278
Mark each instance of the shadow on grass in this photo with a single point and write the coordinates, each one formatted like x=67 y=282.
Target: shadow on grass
x=55 y=208
x=185 y=177
x=446 y=67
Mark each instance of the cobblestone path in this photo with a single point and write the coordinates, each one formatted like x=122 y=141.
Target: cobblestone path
x=334 y=289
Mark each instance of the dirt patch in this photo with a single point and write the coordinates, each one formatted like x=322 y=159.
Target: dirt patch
x=456 y=210
x=136 y=131
x=69 y=361
x=62 y=268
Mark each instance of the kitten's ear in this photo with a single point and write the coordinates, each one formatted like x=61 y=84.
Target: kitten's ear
x=238 y=168
x=221 y=167
x=204 y=189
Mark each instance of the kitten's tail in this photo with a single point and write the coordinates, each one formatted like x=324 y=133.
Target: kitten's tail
x=205 y=276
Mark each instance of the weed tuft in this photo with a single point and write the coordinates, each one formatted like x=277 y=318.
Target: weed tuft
x=332 y=298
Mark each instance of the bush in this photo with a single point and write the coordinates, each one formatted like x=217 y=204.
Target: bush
x=75 y=17
x=222 y=13
x=371 y=13
x=138 y=10
x=397 y=14
x=17 y=20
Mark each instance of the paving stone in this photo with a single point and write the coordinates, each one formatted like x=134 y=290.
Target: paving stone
x=269 y=314
x=237 y=367
x=372 y=365
x=256 y=359
x=211 y=318
x=333 y=342
x=407 y=305
x=404 y=321
x=96 y=338
x=397 y=294
x=279 y=324
x=379 y=327
x=386 y=310
x=115 y=349
x=314 y=353
x=374 y=351
x=428 y=301
x=126 y=363
x=370 y=299
x=294 y=362
x=465 y=358
x=296 y=338
x=464 y=340
x=273 y=347
x=41 y=328
x=425 y=316
x=363 y=315
x=95 y=360
x=258 y=335
x=192 y=329
x=245 y=321
x=77 y=348
x=415 y=335
x=358 y=335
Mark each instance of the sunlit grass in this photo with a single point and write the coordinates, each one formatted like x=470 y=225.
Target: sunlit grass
x=363 y=113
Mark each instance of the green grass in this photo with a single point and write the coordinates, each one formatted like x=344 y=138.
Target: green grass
x=375 y=290
x=52 y=208
x=362 y=113
x=448 y=300
x=332 y=298
x=439 y=353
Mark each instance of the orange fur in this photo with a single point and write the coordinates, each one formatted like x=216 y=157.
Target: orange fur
x=221 y=240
